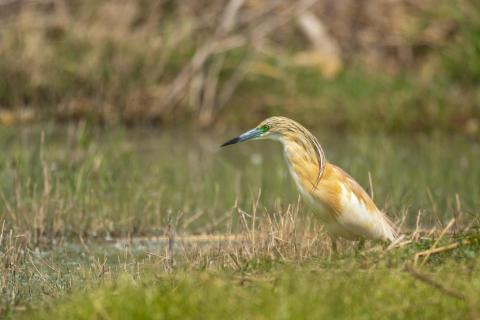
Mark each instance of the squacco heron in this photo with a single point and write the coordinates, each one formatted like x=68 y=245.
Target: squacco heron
x=340 y=203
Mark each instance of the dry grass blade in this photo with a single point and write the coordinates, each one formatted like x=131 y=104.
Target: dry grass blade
x=397 y=243
x=416 y=233
x=1 y=233
x=440 y=249
x=430 y=251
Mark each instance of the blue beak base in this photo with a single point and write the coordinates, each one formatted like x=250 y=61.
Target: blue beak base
x=254 y=133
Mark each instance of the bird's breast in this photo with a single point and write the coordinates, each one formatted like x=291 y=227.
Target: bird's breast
x=303 y=181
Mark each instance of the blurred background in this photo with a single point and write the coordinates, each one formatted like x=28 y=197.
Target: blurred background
x=370 y=65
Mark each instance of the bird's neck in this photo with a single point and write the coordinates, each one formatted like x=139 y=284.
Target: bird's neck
x=306 y=159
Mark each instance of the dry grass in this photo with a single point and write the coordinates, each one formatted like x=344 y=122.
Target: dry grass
x=261 y=242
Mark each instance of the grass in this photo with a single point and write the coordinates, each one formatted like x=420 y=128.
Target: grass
x=81 y=209
x=297 y=292
x=371 y=283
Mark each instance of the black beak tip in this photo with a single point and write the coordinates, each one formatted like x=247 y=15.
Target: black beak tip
x=229 y=142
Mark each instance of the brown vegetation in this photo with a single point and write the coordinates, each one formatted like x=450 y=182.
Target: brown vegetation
x=167 y=61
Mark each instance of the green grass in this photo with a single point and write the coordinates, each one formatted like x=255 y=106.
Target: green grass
x=349 y=290
x=300 y=297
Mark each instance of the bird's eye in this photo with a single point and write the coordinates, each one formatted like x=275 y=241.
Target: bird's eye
x=264 y=128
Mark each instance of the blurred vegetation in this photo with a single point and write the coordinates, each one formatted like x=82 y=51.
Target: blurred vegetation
x=399 y=67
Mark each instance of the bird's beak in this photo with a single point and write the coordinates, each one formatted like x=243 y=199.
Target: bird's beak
x=252 y=134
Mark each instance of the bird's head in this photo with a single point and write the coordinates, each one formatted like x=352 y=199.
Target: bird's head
x=275 y=128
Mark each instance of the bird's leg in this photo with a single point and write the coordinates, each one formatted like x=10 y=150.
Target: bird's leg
x=334 y=244
x=360 y=245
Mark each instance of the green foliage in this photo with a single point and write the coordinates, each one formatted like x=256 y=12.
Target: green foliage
x=461 y=59
x=288 y=293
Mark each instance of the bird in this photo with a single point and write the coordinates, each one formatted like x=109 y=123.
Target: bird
x=340 y=203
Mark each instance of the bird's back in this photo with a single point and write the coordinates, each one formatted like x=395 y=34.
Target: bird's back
x=348 y=211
